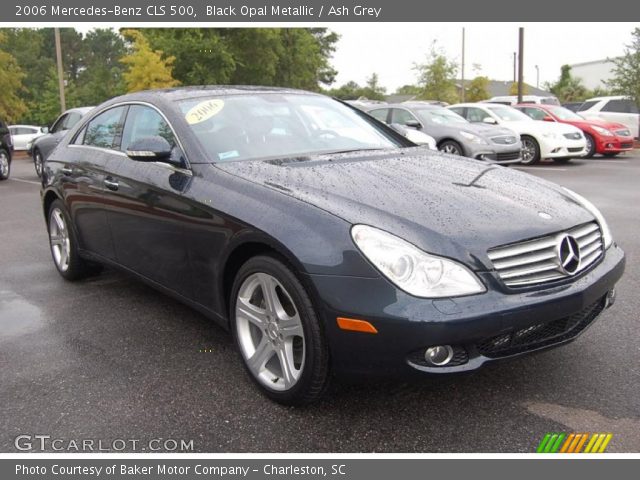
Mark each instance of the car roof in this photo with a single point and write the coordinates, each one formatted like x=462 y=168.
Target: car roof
x=24 y=125
x=183 y=93
x=610 y=97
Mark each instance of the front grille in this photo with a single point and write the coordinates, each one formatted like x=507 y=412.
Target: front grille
x=536 y=261
x=540 y=334
x=623 y=133
x=575 y=149
x=626 y=145
x=504 y=140
x=573 y=136
x=503 y=157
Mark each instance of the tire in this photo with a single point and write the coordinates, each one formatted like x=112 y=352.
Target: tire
x=38 y=162
x=591 y=146
x=288 y=333
x=64 y=245
x=5 y=165
x=530 y=150
x=611 y=154
x=451 y=147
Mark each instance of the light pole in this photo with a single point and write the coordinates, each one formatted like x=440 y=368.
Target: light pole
x=56 y=34
x=462 y=69
x=537 y=76
x=520 y=63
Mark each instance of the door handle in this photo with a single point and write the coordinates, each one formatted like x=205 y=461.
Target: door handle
x=67 y=170
x=111 y=184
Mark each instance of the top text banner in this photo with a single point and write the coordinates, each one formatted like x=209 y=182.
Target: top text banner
x=194 y=11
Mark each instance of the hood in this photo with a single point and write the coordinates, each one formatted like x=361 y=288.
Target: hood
x=455 y=207
x=599 y=123
x=485 y=130
x=525 y=127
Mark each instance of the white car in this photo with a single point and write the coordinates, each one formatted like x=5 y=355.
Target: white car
x=513 y=100
x=558 y=141
x=22 y=135
x=617 y=109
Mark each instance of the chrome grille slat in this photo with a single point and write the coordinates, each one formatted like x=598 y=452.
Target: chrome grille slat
x=535 y=261
x=519 y=260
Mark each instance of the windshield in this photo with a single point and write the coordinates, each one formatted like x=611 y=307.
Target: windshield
x=508 y=114
x=440 y=116
x=274 y=125
x=564 y=113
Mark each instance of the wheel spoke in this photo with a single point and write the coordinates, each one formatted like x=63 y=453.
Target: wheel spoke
x=57 y=217
x=264 y=351
x=254 y=314
x=57 y=239
x=291 y=327
x=286 y=366
x=272 y=303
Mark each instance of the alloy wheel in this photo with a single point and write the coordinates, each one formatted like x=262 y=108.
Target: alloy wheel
x=59 y=239
x=4 y=165
x=270 y=332
x=37 y=161
x=450 y=149
x=528 y=151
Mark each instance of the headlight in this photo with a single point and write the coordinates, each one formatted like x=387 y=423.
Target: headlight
x=416 y=272
x=606 y=233
x=474 y=138
x=603 y=131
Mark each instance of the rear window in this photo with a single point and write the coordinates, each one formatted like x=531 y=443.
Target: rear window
x=620 y=106
x=587 y=105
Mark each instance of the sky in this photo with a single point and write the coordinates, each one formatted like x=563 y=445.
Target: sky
x=391 y=50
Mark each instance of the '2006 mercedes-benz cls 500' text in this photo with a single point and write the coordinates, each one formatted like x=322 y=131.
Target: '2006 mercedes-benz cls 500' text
x=324 y=240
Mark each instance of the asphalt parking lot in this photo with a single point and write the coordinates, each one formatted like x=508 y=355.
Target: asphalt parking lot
x=109 y=358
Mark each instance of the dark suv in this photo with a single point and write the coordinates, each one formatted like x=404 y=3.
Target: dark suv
x=6 y=148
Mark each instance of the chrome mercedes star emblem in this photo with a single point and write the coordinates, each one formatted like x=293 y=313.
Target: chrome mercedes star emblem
x=568 y=252
x=544 y=215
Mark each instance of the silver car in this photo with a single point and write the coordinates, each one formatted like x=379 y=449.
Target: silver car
x=42 y=146
x=454 y=134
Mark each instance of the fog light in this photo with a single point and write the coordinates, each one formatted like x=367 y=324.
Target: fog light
x=438 y=356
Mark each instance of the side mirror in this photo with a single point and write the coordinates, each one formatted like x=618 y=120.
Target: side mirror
x=150 y=149
x=413 y=124
x=548 y=118
x=489 y=120
x=44 y=129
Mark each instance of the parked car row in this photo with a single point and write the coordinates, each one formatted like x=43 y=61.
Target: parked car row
x=540 y=126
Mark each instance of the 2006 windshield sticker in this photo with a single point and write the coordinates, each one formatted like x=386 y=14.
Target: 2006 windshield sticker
x=204 y=111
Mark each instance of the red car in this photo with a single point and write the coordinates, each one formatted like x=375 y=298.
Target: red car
x=607 y=138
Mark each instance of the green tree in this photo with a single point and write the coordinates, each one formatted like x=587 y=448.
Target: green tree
x=477 y=89
x=255 y=53
x=146 y=68
x=202 y=56
x=626 y=72
x=437 y=77
x=12 y=107
x=568 y=88
x=513 y=89
x=47 y=102
x=408 y=90
x=373 y=90
x=349 y=91
x=101 y=77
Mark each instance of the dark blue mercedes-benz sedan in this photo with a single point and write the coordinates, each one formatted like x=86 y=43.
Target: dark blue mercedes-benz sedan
x=324 y=240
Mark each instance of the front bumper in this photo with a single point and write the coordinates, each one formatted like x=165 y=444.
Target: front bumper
x=496 y=153
x=614 y=144
x=407 y=325
x=563 y=148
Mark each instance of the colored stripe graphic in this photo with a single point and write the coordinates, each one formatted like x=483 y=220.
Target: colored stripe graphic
x=574 y=443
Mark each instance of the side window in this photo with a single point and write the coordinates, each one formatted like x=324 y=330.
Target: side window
x=587 y=105
x=143 y=122
x=104 y=130
x=398 y=115
x=58 y=126
x=534 y=113
x=476 y=115
x=71 y=120
x=460 y=111
x=13 y=131
x=380 y=114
